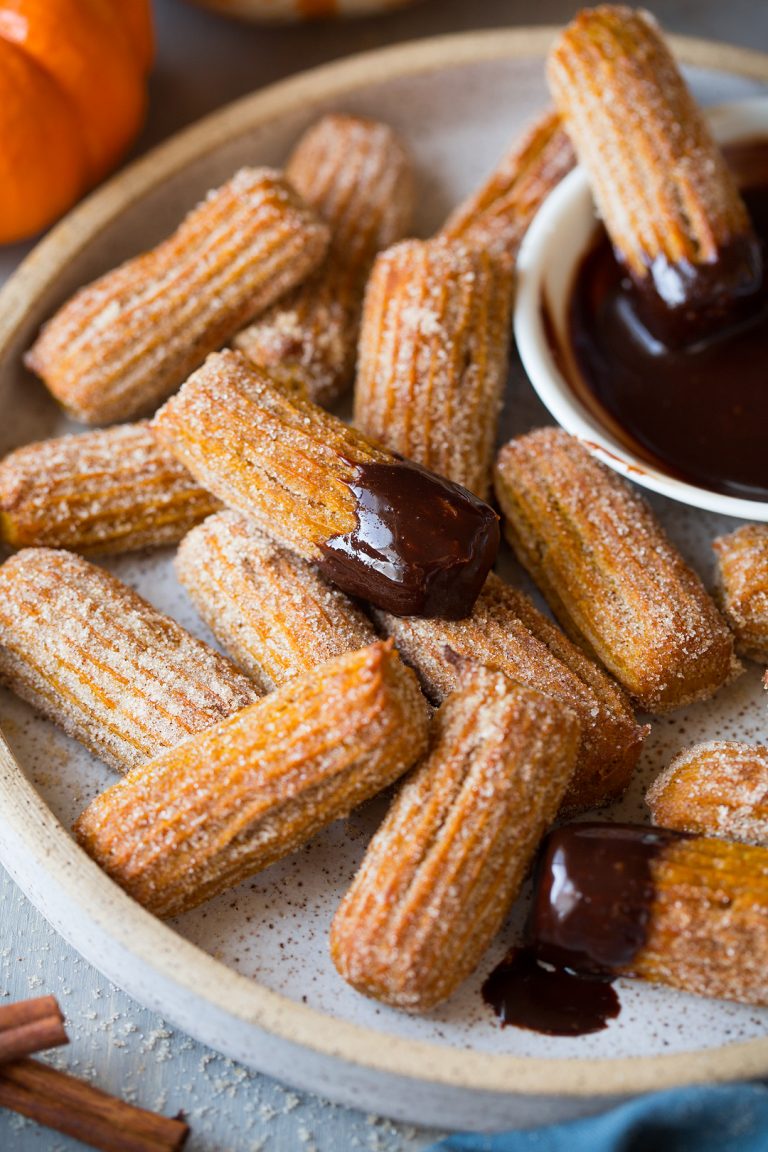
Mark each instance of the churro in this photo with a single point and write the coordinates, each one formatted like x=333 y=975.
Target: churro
x=434 y=349
x=611 y=576
x=204 y=816
x=121 y=345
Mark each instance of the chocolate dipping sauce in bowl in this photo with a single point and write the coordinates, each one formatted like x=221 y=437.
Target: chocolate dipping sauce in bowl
x=690 y=423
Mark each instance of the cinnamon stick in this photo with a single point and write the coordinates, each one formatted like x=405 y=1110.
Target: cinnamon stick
x=71 y=1106
x=30 y=1026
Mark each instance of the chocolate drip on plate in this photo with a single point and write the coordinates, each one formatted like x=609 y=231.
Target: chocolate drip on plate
x=592 y=904
x=528 y=994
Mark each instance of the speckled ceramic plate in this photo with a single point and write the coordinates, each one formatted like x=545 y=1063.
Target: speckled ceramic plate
x=249 y=973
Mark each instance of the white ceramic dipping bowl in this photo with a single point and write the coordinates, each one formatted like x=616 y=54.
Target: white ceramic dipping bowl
x=547 y=264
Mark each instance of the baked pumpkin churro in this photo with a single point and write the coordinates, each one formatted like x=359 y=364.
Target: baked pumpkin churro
x=271 y=612
x=443 y=870
x=378 y=526
x=611 y=576
x=434 y=349
x=495 y=218
x=204 y=816
x=112 y=490
x=670 y=204
x=742 y=580
x=121 y=345
x=356 y=174
x=719 y=788
x=95 y=658
x=690 y=912
x=508 y=633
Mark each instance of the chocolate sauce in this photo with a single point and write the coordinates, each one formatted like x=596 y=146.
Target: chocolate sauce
x=594 y=894
x=593 y=899
x=700 y=411
x=528 y=994
x=422 y=546
x=682 y=303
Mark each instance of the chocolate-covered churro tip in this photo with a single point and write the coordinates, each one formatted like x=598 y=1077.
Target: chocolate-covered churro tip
x=594 y=895
x=671 y=207
x=421 y=545
x=682 y=303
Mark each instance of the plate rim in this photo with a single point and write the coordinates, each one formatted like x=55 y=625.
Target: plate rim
x=111 y=911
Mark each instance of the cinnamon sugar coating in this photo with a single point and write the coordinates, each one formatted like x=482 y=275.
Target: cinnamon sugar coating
x=611 y=576
x=272 y=613
x=495 y=218
x=742 y=577
x=708 y=927
x=669 y=202
x=280 y=460
x=113 y=490
x=356 y=174
x=204 y=816
x=124 y=343
x=442 y=872
x=434 y=350
x=95 y=658
x=719 y=788
x=508 y=633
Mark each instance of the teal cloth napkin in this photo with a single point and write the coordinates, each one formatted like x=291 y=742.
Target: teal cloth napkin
x=723 y=1118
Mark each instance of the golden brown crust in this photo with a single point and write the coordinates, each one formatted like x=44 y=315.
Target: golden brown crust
x=204 y=816
x=610 y=574
x=742 y=571
x=272 y=613
x=444 y=868
x=719 y=788
x=101 y=662
x=708 y=928
x=495 y=218
x=434 y=348
x=281 y=461
x=113 y=490
x=357 y=175
x=506 y=632
x=122 y=344
x=662 y=187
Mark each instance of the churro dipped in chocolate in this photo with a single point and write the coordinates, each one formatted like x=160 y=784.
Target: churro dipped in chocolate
x=356 y=174
x=508 y=633
x=95 y=658
x=620 y=899
x=378 y=526
x=225 y=804
x=121 y=345
x=611 y=576
x=719 y=788
x=670 y=204
x=742 y=587
x=270 y=611
x=443 y=870
x=113 y=490
x=495 y=218
x=434 y=348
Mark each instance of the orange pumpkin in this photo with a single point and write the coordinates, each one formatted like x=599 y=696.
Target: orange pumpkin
x=72 y=98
